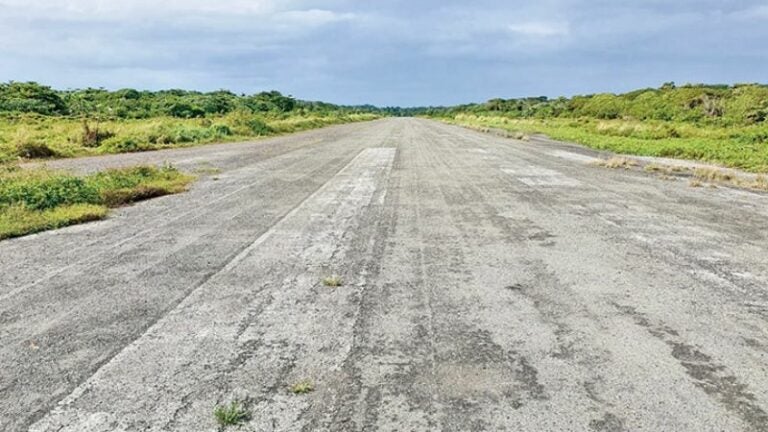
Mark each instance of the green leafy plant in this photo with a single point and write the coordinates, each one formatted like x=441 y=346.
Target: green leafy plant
x=302 y=387
x=230 y=415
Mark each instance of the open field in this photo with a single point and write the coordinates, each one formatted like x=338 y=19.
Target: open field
x=742 y=147
x=723 y=124
x=39 y=122
x=45 y=137
x=400 y=274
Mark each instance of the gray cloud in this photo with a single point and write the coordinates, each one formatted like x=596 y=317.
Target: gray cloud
x=384 y=52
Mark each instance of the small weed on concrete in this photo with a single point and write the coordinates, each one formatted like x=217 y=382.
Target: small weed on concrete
x=616 y=163
x=712 y=174
x=303 y=387
x=207 y=169
x=333 y=281
x=665 y=170
x=520 y=136
x=230 y=415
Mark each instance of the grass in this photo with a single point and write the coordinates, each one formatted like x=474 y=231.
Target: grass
x=333 y=281
x=718 y=176
x=207 y=169
x=713 y=175
x=698 y=176
x=230 y=415
x=36 y=200
x=16 y=221
x=302 y=387
x=665 y=169
x=41 y=137
x=616 y=163
x=742 y=147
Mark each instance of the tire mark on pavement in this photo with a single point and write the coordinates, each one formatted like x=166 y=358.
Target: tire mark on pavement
x=211 y=319
x=713 y=378
x=94 y=260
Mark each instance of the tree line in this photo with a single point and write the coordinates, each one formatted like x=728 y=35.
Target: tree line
x=34 y=98
x=740 y=104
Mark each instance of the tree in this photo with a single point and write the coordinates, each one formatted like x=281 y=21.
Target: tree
x=30 y=97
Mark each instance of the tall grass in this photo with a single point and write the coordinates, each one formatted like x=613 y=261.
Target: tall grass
x=36 y=136
x=743 y=147
x=36 y=200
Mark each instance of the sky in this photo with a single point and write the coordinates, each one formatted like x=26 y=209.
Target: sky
x=384 y=52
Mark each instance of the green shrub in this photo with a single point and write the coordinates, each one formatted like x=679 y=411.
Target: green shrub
x=259 y=127
x=185 y=110
x=30 y=97
x=190 y=134
x=221 y=130
x=122 y=145
x=230 y=415
x=44 y=190
x=160 y=138
x=92 y=136
x=34 y=150
x=35 y=200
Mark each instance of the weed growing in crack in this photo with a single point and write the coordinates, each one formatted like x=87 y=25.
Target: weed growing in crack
x=616 y=163
x=303 y=387
x=333 y=281
x=230 y=415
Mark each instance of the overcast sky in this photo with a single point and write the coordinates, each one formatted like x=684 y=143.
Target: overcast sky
x=385 y=52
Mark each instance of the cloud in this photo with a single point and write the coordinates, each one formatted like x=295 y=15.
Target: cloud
x=314 y=17
x=540 y=29
x=757 y=13
x=121 y=10
x=384 y=51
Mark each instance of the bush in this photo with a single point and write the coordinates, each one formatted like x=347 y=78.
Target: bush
x=93 y=136
x=34 y=150
x=118 y=187
x=160 y=138
x=123 y=145
x=42 y=191
x=185 y=134
x=32 y=201
x=30 y=97
x=259 y=127
x=245 y=123
x=221 y=130
x=185 y=110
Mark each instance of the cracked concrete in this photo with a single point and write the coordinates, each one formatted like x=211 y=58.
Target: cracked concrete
x=489 y=285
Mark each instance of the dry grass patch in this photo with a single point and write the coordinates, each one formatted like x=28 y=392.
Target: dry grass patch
x=333 y=281
x=303 y=387
x=664 y=169
x=520 y=136
x=761 y=182
x=713 y=174
x=617 y=163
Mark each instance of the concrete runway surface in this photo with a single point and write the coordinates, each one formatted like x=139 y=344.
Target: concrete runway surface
x=489 y=285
